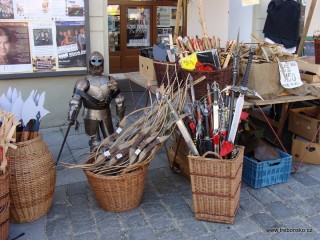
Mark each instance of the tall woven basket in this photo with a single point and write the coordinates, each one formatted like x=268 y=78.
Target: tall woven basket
x=118 y=193
x=216 y=185
x=32 y=180
x=4 y=205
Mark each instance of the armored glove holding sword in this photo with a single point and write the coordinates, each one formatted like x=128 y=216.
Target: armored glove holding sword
x=95 y=92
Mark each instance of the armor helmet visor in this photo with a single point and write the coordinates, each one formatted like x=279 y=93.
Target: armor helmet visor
x=96 y=61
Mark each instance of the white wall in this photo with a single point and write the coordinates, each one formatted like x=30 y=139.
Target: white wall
x=315 y=22
x=216 y=14
x=240 y=18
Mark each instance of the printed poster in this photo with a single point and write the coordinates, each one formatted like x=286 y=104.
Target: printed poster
x=42 y=36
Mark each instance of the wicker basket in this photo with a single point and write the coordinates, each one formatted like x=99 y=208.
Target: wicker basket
x=216 y=167
x=216 y=208
x=118 y=193
x=32 y=180
x=223 y=77
x=166 y=72
x=317 y=51
x=215 y=185
x=4 y=205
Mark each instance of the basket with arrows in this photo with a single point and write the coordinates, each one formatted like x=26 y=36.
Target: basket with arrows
x=116 y=170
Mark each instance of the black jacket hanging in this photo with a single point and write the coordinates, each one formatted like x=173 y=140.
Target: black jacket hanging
x=282 y=23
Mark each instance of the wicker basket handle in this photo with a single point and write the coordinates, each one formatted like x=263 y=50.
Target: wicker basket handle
x=213 y=153
x=207 y=64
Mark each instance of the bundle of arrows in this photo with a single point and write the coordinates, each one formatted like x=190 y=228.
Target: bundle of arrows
x=8 y=126
x=28 y=112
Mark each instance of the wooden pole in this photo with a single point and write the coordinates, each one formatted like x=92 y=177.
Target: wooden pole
x=306 y=26
x=178 y=17
x=202 y=18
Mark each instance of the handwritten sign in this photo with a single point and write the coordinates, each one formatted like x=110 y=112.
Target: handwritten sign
x=189 y=62
x=250 y=2
x=290 y=75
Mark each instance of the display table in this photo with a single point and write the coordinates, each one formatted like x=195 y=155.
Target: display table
x=286 y=102
x=142 y=81
x=250 y=104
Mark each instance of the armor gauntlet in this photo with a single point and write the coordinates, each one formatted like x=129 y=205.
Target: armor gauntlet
x=74 y=107
x=120 y=106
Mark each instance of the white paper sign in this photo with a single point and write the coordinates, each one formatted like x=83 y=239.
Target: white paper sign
x=250 y=2
x=292 y=77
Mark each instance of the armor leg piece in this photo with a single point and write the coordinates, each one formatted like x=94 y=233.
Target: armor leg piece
x=92 y=130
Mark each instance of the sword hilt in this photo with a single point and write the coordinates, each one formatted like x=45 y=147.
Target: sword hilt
x=245 y=80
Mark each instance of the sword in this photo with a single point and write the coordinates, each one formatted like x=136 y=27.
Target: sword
x=182 y=129
x=215 y=111
x=234 y=80
x=207 y=141
x=209 y=98
x=243 y=90
x=72 y=122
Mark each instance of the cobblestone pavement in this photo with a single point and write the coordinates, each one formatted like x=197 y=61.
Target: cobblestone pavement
x=166 y=210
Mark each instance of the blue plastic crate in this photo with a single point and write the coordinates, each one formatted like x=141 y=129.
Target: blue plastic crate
x=261 y=174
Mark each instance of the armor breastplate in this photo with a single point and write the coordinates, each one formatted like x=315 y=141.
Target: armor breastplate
x=99 y=87
x=99 y=90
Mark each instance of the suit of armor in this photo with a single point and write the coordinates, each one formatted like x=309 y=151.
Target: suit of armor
x=95 y=92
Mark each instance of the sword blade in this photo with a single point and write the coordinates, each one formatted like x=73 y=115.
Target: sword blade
x=236 y=118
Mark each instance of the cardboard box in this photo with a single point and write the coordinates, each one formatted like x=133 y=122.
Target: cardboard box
x=308 y=64
x=310 y=78
x=264 y=78
x=302 y=124
x=178 y=155
x=146 y=68
x=303 y=151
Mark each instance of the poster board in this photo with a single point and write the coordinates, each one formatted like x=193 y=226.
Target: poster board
x=43 y=38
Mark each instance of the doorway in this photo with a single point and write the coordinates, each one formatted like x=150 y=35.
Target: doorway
x=134 y=25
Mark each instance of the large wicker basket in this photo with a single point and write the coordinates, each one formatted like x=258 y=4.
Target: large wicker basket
x=32 y=180
x=223 y=77
x=317 y=51
x=118 y=193
x=4 y=205
x=215 y=185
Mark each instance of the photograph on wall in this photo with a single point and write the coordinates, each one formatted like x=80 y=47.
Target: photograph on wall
x=44 y=64
x=70 y=46
x=75 y=8
x=138 y=27
x=15 y=50
x=6 y=9
x=42 y=37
